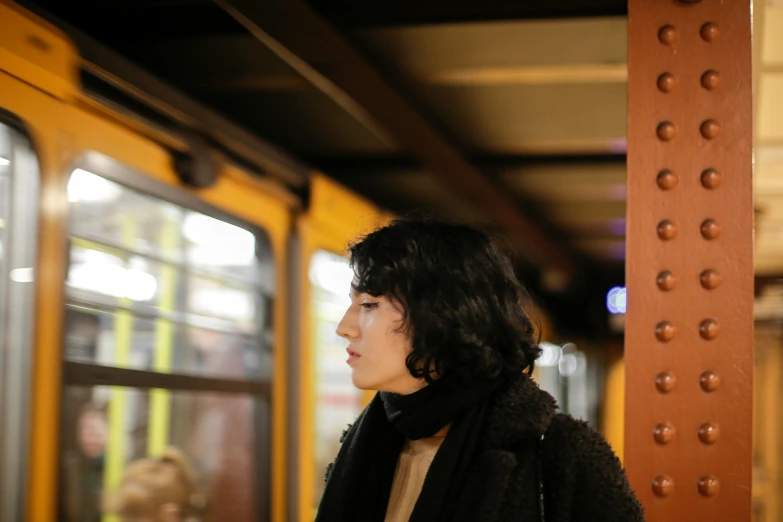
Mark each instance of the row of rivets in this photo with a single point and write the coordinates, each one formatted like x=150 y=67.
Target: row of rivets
x=709 y=32
x=709 y=80
x=708 y=486
x=708 y=433
x=708 y=329
x=709 y=279
x=709 y=129
x=710 y=179
x=667 y=230
x=666 y=382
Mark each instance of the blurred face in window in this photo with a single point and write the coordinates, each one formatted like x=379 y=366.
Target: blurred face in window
x=377 y=349
x=92 y=433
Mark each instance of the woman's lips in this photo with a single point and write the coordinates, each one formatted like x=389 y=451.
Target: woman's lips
x=352 y=355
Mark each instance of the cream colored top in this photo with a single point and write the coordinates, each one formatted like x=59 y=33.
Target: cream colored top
x=412 y=467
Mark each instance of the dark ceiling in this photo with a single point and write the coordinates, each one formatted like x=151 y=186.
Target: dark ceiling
x=501 y=112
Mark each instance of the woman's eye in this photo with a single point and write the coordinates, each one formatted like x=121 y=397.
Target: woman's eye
x=369 y=306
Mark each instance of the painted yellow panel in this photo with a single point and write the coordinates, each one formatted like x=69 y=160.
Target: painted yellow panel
x=339 y=214
x=33 y=50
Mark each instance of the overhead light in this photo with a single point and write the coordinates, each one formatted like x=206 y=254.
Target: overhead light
x=616 y=300
x=4 y=161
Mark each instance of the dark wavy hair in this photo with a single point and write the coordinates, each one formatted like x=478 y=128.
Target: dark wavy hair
x=463 y=308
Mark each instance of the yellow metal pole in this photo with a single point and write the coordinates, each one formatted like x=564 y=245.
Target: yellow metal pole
x=160 y=404
x=123 y=332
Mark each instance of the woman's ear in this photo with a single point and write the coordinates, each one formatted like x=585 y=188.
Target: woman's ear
x=169 y=512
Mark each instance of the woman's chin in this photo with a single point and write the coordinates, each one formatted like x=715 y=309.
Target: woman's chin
x=361 y=382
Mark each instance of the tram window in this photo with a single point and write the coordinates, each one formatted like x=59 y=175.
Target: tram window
x=186 y=301
x=19 y=192
x=337 y=401
x=107 y=428
x=160 y=279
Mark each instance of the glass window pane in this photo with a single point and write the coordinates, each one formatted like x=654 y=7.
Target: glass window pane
x=223 y=438
x=163 y=281
x=19 y=192
x=337 y=401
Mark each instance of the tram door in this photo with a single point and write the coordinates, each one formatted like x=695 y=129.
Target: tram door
x=326 y=400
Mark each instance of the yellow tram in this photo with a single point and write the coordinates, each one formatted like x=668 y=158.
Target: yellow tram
x=146 y=308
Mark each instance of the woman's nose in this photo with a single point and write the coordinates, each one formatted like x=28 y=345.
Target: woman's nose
x=348 y=327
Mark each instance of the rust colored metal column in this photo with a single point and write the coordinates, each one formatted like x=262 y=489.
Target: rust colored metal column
x=689 y=330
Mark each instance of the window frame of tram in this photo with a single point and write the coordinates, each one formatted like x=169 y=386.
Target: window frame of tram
x=20 y=175
x=329 y=277
x=135 y=406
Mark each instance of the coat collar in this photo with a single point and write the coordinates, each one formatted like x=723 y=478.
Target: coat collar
x=519 y=411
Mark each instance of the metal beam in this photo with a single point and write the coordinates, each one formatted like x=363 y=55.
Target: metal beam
x=379 y=164
x=296 y=33
x=360 y=13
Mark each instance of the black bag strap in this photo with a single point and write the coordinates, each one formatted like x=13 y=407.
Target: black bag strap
x=540 y=476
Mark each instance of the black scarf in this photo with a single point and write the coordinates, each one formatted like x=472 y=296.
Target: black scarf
x=360 y=483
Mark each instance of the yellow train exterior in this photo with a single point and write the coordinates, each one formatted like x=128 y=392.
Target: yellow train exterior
x=162 y=311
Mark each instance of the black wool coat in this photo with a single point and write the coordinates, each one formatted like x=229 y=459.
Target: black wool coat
x=583 y=479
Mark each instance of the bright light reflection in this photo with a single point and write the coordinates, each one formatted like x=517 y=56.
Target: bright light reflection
x=550 y=355
x=331 y=272
x=22 y=275
x=4 y=161
x=218 y=243
x=86 y=186
x=102 y=274
x=223 y=302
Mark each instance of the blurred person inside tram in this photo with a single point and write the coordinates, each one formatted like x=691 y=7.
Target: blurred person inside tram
x=458 y=431
x=160 y=489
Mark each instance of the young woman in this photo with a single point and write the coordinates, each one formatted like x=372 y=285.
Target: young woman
x=158 y=490
x=459 y=431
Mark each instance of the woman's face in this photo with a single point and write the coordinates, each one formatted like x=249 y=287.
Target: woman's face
x=377 y=350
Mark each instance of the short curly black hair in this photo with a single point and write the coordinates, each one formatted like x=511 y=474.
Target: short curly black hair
x=467 y=315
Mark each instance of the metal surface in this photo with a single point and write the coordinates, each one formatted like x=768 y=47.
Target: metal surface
x=689 y=331
x=291 y=29
x=111 y=68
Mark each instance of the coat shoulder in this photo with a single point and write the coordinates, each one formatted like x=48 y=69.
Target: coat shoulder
x=601 y=488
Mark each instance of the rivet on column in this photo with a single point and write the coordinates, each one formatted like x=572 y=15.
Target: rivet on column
x=709 y=432
x=665 y=382
x=710 y=381
x=710 y=79
x=666 y=280
x=665 y=331
x=709 y=486
x=664 y=433
x=667 y=35
x=709 y=329
x=666 y=131
x=711 y=179
x=666 y=82
x=709 y=32
x=667 y=230
x=710 y=279
x=663 y=486
x=666 y=179
x=710 y=229
x=710 y=129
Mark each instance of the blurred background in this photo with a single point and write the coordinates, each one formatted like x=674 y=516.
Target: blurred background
x=194 y=170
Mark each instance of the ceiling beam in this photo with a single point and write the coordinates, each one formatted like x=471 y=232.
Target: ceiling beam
x=361 y=13
x=317 y=51
x=489 y=163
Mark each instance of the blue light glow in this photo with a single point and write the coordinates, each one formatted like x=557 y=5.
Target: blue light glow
x=616 y=300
